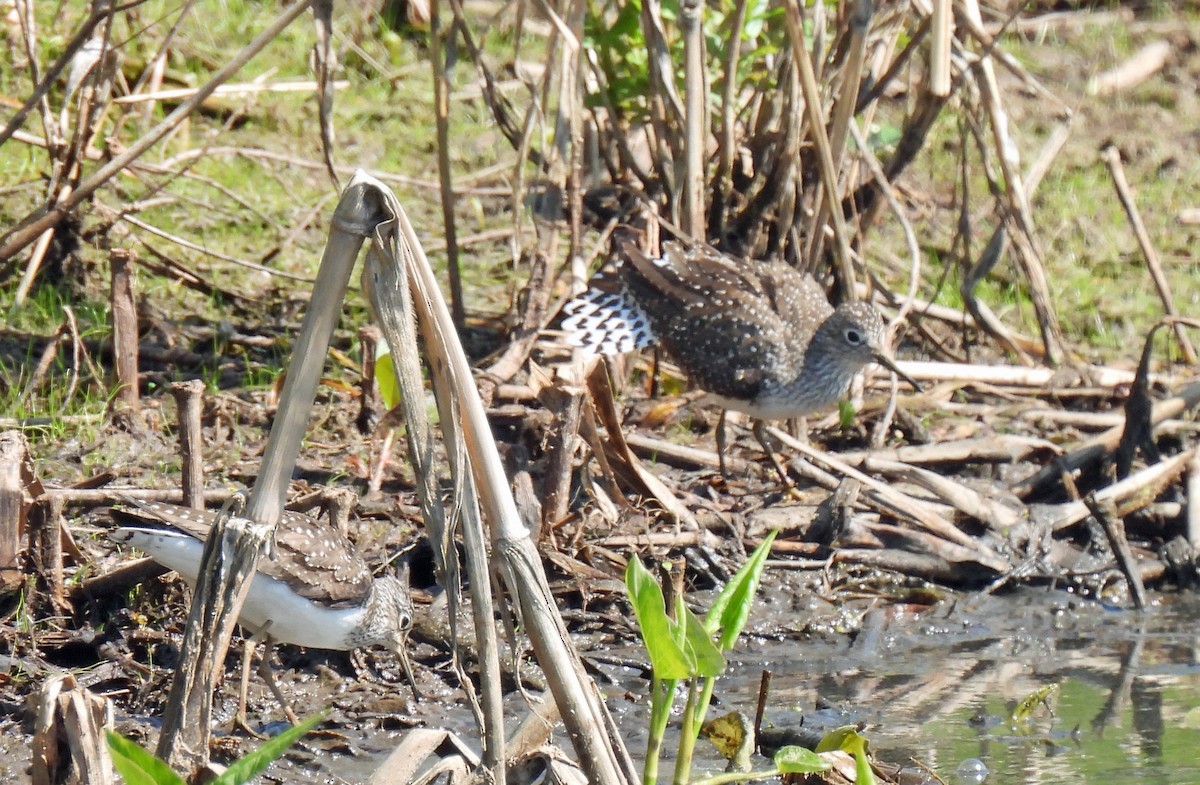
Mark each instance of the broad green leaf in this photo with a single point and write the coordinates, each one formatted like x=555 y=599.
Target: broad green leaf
x=848 y=739
x=385 y=376
x=1026 y=707
x=798 y=760
x=709 y=661
x=137 y=766
x=729 y=612
x=247 y=768
x=667 y=659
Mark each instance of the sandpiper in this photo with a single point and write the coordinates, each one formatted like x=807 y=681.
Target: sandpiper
x=760 y=337
x=316 y=590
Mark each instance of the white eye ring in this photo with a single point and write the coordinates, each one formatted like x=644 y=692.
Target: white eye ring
x=853 y=336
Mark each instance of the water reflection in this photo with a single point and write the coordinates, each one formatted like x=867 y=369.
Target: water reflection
x=938 y=684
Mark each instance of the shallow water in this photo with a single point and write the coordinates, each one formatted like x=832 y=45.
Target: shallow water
x=938 y=686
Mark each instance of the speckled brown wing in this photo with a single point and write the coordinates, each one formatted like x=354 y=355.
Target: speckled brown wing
x=800 y=302
x=313 y=559
x=318 y=562
x=717 y=316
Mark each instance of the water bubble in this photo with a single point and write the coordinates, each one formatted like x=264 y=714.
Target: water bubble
x=972 y=771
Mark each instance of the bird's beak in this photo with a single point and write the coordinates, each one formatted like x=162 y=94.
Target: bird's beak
x=401 y=650
x=884 y=359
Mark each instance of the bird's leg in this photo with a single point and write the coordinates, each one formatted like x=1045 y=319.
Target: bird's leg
x=239 y=719
x=760 y=433
x=264 y=670
x=721 y=445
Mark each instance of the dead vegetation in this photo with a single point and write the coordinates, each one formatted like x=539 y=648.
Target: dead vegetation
x=798 y=138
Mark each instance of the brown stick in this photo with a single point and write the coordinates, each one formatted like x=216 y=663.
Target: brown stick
x=125 y=332
x=13 y=451
x=1112 y=159
x=370 y=408
x=189 y=399
x=567 y=404
x=441 y=107
x=46 y=518
x=1114 y=529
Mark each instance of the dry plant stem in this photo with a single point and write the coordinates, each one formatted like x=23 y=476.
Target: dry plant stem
x=695 y=93
x=904 y=505
x=1098 y=447
x=71 y=716
x=859 y=23
x=441 y=108
x=14 y=451
x=350 y=225
x=1002 y=448
x=1193 y=501
x=1144 y=63
x=230 y=555
x=1132 y=493
x=910 y=236
x=189 y=398
x=992 y=514
x=566 y=401
x=229 y=560
x=326 y=64
x=1028 y=255
x=829 y=175
x=198 y=248
x=99 y=15
x=47 y=518
x=942 y=36
x=1114 y=530
x=1112 y=159
x=386 y=281
x=722 y=181
x=38 y=222
x=595 y=739
x=125 y=333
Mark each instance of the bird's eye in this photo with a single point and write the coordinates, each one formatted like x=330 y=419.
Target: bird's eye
x=853 y=337
x=405 y=621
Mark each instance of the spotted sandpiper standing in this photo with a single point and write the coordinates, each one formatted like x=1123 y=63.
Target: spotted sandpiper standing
x=760 y=337
x=316 y=590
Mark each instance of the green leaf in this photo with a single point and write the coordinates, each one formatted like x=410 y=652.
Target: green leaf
x=667 y=658
x=729 y=612
x=385 y=376
x=248 y=767
x=1024 y=710
x=798 y=760
x=846 y=414
x=708 y=659
x=848 y=739
x=137 y=766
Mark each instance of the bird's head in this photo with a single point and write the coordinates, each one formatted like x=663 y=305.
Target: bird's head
x=855 y=336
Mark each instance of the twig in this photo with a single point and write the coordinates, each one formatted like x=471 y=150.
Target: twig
x=125 y=332
x=1114 y=529
x=829 y=176
x=14 y=452
x=438 y=37
x=1144 y=63
x=189 y=398
x=1112 y=159
x=36 y=223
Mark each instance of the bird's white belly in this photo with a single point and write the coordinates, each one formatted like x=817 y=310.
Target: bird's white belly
x=766 y=408
x=270 y=604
